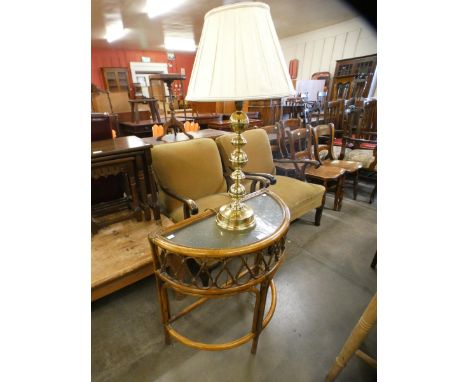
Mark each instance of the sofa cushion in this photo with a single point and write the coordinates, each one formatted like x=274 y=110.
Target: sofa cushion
x=300 y=197
x=258 y=150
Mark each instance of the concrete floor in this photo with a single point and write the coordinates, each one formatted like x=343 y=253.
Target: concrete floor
x=323 y=288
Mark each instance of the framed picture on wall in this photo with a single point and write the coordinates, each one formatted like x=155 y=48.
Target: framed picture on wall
x=170 y=56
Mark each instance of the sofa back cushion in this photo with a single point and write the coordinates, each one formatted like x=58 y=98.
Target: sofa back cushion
x=258 y=150
x=191 y=169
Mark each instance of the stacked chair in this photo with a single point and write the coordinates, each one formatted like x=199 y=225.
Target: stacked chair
x=359 y=141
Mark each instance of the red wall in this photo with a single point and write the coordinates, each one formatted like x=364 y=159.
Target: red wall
x=121 y=58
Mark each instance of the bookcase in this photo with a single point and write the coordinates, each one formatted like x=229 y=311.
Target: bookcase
x=115 y=79
x=349 y=70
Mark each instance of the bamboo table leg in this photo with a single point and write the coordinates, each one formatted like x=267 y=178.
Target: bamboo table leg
x=258 y=315
x=355 y=339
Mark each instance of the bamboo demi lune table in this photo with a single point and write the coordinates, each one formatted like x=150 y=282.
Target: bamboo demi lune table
x=196 y=257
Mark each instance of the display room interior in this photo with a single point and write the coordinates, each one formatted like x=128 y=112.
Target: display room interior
x=233 y=190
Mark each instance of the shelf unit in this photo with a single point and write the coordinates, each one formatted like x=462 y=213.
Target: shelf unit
x=116 y=79
x=349 y=69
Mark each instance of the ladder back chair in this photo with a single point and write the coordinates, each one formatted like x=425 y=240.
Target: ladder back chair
x=273 y=132
x=290 y=124
x=327 y=131
x=359 y=141
x=300 y=144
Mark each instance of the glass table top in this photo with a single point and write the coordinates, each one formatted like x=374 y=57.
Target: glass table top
x=205 y=233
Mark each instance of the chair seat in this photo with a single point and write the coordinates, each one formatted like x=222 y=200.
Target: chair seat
x=368 y=146
x=210 y=201
x=348 y=166
x=300 y=197
x=365 y=157
x=325 y=172
x=337 y=151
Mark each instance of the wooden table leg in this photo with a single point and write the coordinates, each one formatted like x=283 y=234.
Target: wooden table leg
x=142 y=186
x=154 y=205
x=133 y=189
x=355 y=339
x=154 y=112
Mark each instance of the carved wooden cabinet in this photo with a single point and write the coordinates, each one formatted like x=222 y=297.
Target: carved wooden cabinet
x=115 y=79
x=353 y=77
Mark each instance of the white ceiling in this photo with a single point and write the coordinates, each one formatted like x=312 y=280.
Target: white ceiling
x=290 y=17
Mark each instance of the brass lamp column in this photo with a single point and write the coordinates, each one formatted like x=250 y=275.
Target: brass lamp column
x=237 y=216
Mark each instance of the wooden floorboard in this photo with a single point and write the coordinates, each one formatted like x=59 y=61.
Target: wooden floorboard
x=121 y=255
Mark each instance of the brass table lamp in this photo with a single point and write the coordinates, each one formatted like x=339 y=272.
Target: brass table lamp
x=239 y=58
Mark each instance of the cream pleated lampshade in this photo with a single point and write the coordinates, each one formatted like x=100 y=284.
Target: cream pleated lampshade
x=239 y=56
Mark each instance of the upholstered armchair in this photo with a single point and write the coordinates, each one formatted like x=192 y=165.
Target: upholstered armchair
x=190 y=177
x=300 y=197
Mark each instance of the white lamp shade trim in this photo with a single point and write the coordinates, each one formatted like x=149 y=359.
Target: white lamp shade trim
x=239 y=56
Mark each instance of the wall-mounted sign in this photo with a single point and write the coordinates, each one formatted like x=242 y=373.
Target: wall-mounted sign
x=170 y=56
x=145 y=59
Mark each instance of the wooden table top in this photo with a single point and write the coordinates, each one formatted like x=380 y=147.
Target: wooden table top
x=169 y=138
x=143 y=122
x=117 y=146
x=226 y=124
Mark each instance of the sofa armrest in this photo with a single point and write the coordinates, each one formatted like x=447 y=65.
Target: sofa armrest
x=264 y=182
x=271 y=178
x=190 y=207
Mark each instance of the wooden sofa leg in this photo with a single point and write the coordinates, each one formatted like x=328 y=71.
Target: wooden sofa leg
x=318 y=216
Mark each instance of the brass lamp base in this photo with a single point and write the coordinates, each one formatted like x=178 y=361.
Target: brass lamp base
x=235 y=220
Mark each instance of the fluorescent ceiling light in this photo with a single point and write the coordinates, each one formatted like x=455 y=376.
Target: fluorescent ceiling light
x=179 y=44
x=115 y=31
x=158 y=7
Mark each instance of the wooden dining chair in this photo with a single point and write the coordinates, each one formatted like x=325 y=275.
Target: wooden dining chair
x=300 y=147
x=273 y=132
x=290 y=124
x=359 y=141
x=321 y=99
x=367 y=127
x=333 y=113
x=327 y=131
